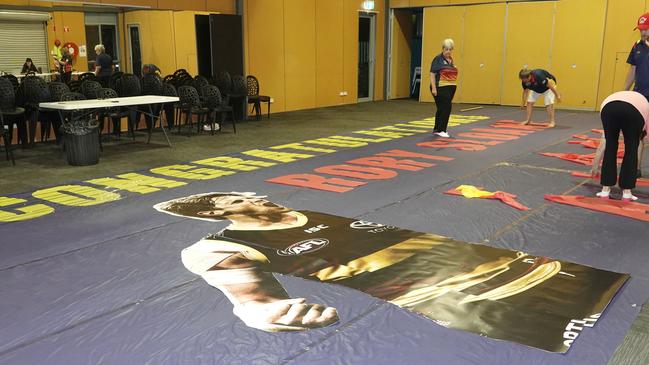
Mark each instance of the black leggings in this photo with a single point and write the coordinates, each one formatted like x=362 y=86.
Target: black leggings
x=443 y=101
x=621 y=116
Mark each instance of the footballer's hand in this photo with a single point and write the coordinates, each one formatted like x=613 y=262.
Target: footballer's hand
x=285 y=315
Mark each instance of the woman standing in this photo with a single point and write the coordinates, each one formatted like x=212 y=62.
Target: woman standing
x=628 y=112
x=66 y=63
x=443 y=82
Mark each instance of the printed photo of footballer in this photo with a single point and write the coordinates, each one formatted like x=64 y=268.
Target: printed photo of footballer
x=471 y=287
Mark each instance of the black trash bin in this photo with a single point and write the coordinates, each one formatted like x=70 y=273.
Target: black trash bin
x=81 y=142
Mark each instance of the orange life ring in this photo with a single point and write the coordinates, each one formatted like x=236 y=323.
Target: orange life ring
x=72 y=48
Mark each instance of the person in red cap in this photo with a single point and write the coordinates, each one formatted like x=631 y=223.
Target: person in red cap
x=638 y=75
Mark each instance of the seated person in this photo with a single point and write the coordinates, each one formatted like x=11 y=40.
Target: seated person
x=150 y=69
x=28 y=66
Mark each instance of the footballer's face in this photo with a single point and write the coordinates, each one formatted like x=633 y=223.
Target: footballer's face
x=230 y=205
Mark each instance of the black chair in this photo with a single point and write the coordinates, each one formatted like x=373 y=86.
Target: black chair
x=87 y=76
x=254 y=97
x=181 y=72
x=190 y=104
x=89 y=88
x=113 y=79
x=200 y=82
x=223 y=81
x=13 y=79
x=75 y=86
x=115 y=114
x=36 y=91
x=9 y=112
x=151 y=85
x=168 y=79
x=129 y=85
x=57 y=89
x=238 y=96
x=170 y=108
x=214 y=102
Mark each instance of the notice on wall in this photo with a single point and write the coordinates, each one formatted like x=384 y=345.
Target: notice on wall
x=82 y=51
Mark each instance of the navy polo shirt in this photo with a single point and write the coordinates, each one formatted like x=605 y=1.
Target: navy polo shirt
x=639 y=57
x=539 y=81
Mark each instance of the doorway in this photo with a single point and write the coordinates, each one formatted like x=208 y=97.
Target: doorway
x=366 y=56
x=404 y=57
x=135 y=55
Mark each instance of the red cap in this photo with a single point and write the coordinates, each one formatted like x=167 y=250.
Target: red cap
x=643 y=22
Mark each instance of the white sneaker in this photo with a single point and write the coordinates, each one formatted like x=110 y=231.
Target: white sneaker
x=629 y=197
x=603 y=194
x=443 y=134
x=208 y=127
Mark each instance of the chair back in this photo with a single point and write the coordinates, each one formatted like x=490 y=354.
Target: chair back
x=151 y=85
x=223 y=81
x=35 y=91
x=128 y=85
x=13 y=79
x=89 y=88
x=253 y=85
x=113 y=79
x=188 y=96
x=57 y=89
x=239 y=85
x=212 y=96
x=169 y=90
x=71 y=96
x=200 y=82
x=86 y=76
x=7 y=95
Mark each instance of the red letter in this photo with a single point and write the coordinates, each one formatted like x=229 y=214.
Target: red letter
x=393 y=163
x=357 y=172
x=316 y=182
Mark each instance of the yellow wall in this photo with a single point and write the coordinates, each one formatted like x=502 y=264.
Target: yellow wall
x=74 y=21
x=519 y=53
x=300 y=52
x=222 y=6
x=329 y=53
x=576 y=40
x=619 y=37
x=483 y=54
x=305 y=52
x=441 y=23
x=402 y=31
x=577 y=65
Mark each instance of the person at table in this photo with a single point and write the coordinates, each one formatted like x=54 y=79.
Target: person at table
x=150 y=69
x=66 y=63
x=103 y=65
x=28 y=66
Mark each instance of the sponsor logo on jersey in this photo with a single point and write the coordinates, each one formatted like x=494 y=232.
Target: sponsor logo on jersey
x=303 y=247
x=371 y=227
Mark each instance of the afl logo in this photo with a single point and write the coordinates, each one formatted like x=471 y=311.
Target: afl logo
x=303 y=247
x=365 y=225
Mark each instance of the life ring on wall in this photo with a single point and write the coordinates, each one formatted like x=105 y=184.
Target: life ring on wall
x=72 y=48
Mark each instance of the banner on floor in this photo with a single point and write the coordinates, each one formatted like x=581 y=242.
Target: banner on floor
x=502 y=294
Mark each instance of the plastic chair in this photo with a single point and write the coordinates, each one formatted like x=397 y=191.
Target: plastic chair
x=254 y=97
x=190 y=104
x=8 y=110
x=214 y=102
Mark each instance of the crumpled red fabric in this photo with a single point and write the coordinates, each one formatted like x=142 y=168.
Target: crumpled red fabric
x=505 y=197
x=633 y=210
x=639 y=182
x=586 y=160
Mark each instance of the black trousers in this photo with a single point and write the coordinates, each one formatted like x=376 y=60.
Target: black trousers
x=621 y=116
x=443 y=101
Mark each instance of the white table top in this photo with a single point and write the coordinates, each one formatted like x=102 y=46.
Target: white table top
x=45 y=74
x=109 y=103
